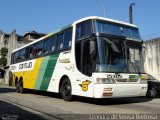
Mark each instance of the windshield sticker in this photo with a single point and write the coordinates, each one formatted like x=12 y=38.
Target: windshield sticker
x=114 y=76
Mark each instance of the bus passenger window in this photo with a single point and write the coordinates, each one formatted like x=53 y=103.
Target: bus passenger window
x=52 y=43
x=22 y=54
x=16 y=56
x=59 y=42
x=83 y=29
x=40 y=48
x=61 y=46
x=67 y=38
x=35 y=50
x=30 y=51
x=46 y=47
x=53 y=48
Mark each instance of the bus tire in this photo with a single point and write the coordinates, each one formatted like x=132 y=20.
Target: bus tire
x=151 y=93
x=17 y=87
x=21 y=89
x=66 y=90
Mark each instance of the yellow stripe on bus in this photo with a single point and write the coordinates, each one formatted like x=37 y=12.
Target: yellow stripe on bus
x=29 y=77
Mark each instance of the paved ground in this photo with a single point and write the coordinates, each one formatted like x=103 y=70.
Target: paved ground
x=42 y=105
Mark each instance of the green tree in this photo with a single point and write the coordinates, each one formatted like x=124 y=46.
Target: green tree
x=3 y=59
x=3 y=51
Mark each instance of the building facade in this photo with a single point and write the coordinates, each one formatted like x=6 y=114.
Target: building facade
x=152 y=58
x=13 y=41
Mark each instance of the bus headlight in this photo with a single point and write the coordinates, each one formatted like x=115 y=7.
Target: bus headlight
x=105 y=80
x=143 y=81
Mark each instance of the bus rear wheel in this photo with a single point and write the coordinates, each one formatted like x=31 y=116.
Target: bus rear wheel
x=66 y=90
x=17 y=87
x=21 y=89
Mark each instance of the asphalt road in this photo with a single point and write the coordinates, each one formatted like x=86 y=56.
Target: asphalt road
x=41 y=105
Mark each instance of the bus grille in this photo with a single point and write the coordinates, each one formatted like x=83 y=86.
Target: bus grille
x=127 y=80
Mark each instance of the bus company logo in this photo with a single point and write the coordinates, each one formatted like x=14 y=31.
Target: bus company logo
x=66 y=60
x=114 y=76
x=85 y=84
x=25 y=65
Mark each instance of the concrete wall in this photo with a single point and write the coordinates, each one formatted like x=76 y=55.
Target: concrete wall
x=152 y=57
x=13 y=41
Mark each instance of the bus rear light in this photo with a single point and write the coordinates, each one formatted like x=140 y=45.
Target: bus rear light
x=107 y=94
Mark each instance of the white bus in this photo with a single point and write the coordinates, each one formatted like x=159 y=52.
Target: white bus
x=93 y=57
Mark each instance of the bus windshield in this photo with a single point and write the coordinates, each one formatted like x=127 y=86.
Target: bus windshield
x=134 y=57
x=111 y=56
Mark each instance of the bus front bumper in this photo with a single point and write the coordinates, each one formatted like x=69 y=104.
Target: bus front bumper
x=119 y=90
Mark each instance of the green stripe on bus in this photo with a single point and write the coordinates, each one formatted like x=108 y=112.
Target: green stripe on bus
x=49 y=71
x=41 y=72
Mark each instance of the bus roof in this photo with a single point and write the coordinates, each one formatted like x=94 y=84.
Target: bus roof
x=105 y=19
x=74 y=23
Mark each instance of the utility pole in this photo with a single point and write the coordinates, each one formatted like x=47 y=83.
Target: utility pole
x=104 y=12
x=131 y=12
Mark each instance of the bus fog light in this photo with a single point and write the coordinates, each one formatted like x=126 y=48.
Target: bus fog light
x=143 y=88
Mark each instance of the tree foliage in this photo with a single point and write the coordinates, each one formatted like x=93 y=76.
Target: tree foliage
x=3 y=59
x=3 y=51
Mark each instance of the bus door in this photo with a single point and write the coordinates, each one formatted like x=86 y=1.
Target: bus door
x=85 y=64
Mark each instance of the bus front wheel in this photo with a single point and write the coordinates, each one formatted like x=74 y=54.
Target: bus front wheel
x=151 y=93
x=66 y=90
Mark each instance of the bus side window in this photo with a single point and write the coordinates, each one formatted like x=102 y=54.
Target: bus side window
x=40 y=48
x=83 y=29
x=67 y=38
x=22 y=54
x=30 y=52
x=35 y=50
x=27 y=53
x=59 y=42
x=46 y=47
x=12 y=58
x=16 y=56
x=52 y=43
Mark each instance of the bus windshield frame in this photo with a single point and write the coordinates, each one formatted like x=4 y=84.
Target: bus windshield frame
x=98 y=44
x=110 y=28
